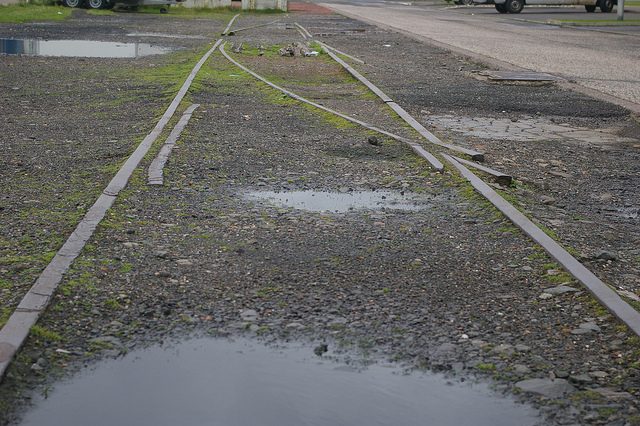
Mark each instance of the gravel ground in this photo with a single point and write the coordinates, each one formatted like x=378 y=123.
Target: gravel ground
x=452 y=287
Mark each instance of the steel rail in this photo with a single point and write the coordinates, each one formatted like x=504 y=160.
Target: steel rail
x=304 y=31
x=16 y=330
x=417 y=148
x=230 y=33
x=156 y=169
x=601 y=291
x=307 y=35
x=475 y=155
x=226 y=30
x=404 y=114
x=501 y=178
x=353 y=58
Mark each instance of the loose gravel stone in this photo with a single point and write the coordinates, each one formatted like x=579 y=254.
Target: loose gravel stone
x=549 y=388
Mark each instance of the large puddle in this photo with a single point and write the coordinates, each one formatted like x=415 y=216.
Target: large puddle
x=339 y=202
x=78 y=48
x=242 y=383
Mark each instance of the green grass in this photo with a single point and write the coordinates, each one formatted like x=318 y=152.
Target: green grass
x=20 y=13
x=45 y=334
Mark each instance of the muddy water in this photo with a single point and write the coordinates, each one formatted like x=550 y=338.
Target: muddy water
x=338 y=202
x=78 y=48
x=243 y=383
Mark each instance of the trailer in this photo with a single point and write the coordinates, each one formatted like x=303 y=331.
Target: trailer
x=109 y=4
x=516 y=6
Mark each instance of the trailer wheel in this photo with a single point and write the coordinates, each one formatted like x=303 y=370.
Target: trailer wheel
x=501 y=8
x=515 y=6
x=590 y=8
x=96 y=4
x=72 y=3
x=606 y=6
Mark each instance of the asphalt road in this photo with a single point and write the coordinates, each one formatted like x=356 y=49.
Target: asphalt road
x=604 y=59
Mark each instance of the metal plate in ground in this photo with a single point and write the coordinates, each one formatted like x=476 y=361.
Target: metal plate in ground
x=520 y=76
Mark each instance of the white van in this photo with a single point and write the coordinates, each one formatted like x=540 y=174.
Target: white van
x=515 y=6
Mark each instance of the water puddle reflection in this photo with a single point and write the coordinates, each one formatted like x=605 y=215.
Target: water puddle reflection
x=229 y=383
x=339 y=202
x=78 y=48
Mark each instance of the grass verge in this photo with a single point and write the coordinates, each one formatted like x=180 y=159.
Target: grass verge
x=20 y=13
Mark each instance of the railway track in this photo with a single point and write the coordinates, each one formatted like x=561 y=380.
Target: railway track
x=14 y=333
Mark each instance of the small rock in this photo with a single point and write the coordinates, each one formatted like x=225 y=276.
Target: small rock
x=129 y=244
x=580 y=378
x=549 y=388
x=598 y=374
x=521 y=369
x=545 y=296
x=606 y=255
x=295 y=325
x=612 y=393
x=504 y=349
x=522 y=348
x=561 y=374
x=592 y=326
x=527 y=268
x=373 y=140
x=547 y=200
x=561 y=289
x=321 y=349
x=184 y=262
x=631 y=295
x=249 y=315
x=162 y=254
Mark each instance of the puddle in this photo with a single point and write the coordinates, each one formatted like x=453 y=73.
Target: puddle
x=78 y=48
x=337 y=202
x=241 y=383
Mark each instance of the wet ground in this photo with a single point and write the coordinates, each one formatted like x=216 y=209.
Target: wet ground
x=78 y=48
x=450 y=287
x=224 y=382
x=342 y=202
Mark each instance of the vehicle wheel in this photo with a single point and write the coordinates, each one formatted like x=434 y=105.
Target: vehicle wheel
x=515 y=6
x=96 y=4
x=467 y=2
x=590 y=8
x=502 y=8
x=72 y=3
x=606 y=6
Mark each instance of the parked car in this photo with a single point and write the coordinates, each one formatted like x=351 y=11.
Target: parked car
x=515 y=6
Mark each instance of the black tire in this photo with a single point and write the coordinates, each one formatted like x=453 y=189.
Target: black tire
x=72 y=3
x=606 y=6
x=501 y=8
x=96 y=4
x=590 y=8
x=514 y=6
x=467 y=2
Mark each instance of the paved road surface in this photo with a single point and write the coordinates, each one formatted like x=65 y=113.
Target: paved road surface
x=607 y=61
